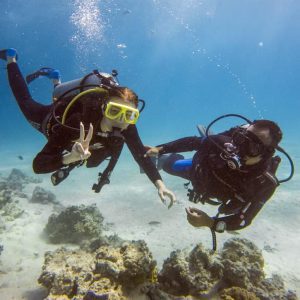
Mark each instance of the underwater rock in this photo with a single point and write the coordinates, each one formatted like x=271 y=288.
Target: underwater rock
x=153 y=292
x=40 y=195
x=5 y=197
x=11 y=211
x=190 y=273
x=3 y=185
x=74 y=224
x=9 y=189
x=109 y=270
x=273 y=288
x=243 y=263
x=94 y=244
x=93 y=296
x=16 y=180
x=9 y=207
x=2 y=225
x=243 y=267
x=236 y=293
x=239 y=265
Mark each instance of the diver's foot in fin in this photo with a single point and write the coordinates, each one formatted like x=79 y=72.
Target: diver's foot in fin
x=9 y=54
x=47 y=72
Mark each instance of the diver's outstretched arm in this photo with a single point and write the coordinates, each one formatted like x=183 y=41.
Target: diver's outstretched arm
x=181 y=145
x=137 y=149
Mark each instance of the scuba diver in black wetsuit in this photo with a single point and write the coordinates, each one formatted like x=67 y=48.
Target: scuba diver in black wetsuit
x=234 y=170
x=96 y=102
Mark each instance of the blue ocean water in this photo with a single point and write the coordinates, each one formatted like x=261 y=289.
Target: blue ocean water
x=190 y=60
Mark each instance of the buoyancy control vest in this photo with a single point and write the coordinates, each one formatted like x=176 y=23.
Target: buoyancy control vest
x=213 y=179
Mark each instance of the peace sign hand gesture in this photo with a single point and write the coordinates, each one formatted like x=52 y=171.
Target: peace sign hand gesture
x=80 y=149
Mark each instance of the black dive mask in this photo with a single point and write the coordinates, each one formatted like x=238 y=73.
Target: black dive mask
x=248 y=144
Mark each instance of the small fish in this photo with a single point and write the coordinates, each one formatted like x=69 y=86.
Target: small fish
x=154 y=223
x=20 y=157
x=233 y=232
x=127 y=11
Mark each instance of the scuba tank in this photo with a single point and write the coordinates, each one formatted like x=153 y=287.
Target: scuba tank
x=76 y=86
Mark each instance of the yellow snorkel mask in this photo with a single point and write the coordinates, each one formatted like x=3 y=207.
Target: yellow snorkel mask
x=127 y=114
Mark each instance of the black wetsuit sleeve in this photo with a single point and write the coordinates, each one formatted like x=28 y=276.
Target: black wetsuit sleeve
x=137 y=149
x=186 y=144
x=192 y=143
x=49 y=159
x=248 y=212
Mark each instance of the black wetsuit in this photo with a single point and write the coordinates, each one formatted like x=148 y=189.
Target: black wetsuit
x=241 y=193
x=61 y=139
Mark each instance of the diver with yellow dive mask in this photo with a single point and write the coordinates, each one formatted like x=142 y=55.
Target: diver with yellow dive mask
x=95 y=101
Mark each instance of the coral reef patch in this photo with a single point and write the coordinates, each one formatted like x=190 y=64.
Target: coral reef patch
x=74 y=225
x=109 y=268
x=108 y=272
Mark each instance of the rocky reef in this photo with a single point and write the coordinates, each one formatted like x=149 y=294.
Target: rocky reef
x=186 y=273
x=75 y=224
x=11 y=191
x=40 y=195
x=236 y=272
x=16 y=180
x=10 y=188
x=111 y=271
x=110 y=268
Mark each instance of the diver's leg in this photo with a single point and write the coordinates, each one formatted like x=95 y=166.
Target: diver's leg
x=97 y=157
x=33 y=111
x=176 y=165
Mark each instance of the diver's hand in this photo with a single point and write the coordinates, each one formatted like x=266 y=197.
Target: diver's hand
x=80 y=149
x=198 y=218
x=153 y=151
x=163 y=192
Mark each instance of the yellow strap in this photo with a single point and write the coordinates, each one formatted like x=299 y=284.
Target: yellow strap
x=95 y=90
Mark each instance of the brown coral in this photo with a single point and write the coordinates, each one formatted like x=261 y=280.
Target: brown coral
x=236 y=293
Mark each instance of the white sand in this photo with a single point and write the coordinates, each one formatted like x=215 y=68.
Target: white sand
x=130 y=207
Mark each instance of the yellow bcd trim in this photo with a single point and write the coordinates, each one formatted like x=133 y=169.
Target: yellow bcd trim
x=96 y=90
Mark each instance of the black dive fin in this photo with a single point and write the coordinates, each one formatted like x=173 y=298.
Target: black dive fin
x=41 y=72
x=3 y=54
